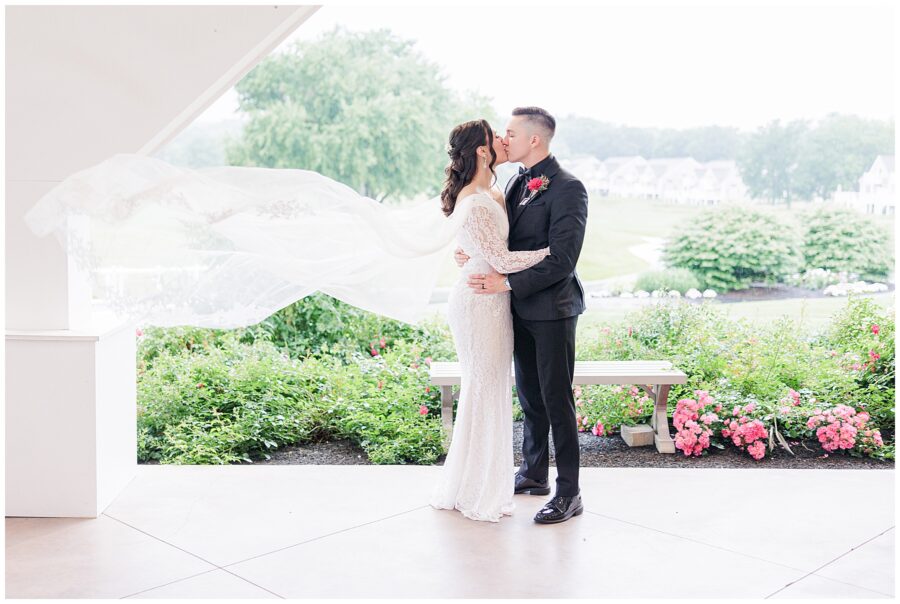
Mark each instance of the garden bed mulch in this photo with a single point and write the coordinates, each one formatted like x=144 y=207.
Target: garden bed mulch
x=607 y=452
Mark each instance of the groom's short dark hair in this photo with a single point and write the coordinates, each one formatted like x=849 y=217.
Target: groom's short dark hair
x=539 y=117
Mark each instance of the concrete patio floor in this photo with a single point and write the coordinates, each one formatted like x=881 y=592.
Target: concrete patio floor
x=368 y=531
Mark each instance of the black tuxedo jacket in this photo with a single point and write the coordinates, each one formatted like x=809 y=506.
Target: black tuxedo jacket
x=556 y=217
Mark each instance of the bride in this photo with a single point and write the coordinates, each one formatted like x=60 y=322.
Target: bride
x=226 y=247
x=477 y=477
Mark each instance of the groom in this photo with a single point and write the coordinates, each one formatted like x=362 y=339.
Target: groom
x=546 y=206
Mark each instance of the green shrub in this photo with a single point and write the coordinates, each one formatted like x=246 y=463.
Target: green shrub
x=737 y=360
x=860 y=341
x=729 y=248
x=674 y=279
x=223 y=405
x=840 y=239
x=237 y=402
x=319 y=324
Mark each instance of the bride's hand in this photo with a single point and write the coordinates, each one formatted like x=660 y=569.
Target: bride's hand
x=460 y=257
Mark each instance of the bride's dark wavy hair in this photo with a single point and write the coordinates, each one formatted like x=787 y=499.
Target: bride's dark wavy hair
x=464 y=140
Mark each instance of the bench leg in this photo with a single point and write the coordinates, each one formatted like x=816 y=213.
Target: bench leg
x=447 y=413
x=659 y=421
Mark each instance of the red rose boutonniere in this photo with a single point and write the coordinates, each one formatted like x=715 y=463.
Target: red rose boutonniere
x=536 y=185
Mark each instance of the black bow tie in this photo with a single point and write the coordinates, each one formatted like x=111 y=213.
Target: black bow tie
x=525 y=171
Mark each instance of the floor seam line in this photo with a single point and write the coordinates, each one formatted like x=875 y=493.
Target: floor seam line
x=212 y=570
x=814 y=571
x=349 y=528
x=217 y=567
x=697 y=541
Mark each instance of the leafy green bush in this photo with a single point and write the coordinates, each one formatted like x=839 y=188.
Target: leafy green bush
x=729 y=248
x=860 y=339
x=319 y=324
x=736 y=360
x=675 y=279
x=222 y=405
x=840 y=239
x=220 y=400
x=209 y=396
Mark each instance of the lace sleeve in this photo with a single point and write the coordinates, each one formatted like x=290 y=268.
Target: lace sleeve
x=482 y=229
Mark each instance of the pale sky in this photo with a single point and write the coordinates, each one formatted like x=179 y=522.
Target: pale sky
x=644 y=65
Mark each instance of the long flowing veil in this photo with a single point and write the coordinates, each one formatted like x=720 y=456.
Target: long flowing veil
x=227 y=246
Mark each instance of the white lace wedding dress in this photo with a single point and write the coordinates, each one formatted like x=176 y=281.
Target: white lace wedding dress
x=478 y=475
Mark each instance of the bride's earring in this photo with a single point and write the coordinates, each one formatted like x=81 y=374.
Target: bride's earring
x=484 y=162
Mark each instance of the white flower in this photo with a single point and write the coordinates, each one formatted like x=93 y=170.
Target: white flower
x=674 y=294
x=641 y=294
x=709 y=293
x=693 y=293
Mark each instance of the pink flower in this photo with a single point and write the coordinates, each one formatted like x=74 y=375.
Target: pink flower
x=428 y=361
x=757 y=450
x=138 y=332
x=598 y=429
x=382 y=342
x=380 y=384
x=874 y=355
x=423 y=410
x=535 y=183
x=875 y=329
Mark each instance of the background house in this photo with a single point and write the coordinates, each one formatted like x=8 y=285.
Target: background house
x=675 y=179
x=877 y=189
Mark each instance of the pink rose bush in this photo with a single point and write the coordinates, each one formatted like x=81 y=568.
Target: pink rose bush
x=694 y=421
x=739 y=420
x=843 y=427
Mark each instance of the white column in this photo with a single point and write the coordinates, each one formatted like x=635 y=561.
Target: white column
x=84 y=83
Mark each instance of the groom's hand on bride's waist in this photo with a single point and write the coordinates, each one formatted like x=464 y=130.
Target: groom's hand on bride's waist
x=488 y=283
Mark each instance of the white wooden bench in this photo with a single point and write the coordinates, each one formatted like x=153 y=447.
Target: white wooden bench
x=655 y=377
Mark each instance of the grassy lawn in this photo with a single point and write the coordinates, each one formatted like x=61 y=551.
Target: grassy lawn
x=615 y=224
x=812 y=314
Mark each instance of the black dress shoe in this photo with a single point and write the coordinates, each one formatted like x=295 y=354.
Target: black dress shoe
x=559 y=509
x=527 y=486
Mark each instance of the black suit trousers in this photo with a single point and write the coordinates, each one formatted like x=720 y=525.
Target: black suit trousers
x=544 y=355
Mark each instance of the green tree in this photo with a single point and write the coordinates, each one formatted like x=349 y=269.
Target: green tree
x=587 y=136
x=770 y=158
x=366 y=109
x=838 y=151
